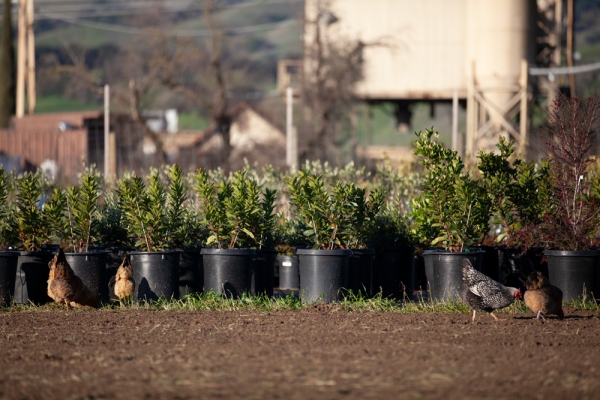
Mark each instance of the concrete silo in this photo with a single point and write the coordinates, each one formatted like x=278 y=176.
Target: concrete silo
x=476 y=50
x=499 y=42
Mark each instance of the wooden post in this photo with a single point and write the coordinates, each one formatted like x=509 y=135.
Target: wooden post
x=106 y=131
x=557 y=52
x=112 y=162
x=570 y=24
x=471 y=113
x=31 y=98
x=455 y=120
x=291 y=137
x=524 y=116
x=354 y=128
x=21 y=60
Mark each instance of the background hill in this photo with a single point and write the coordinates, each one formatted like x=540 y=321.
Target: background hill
x=260 y=33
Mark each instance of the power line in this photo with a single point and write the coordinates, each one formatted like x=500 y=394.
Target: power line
x=134 y=7
x=175 y=32
x=564 y=70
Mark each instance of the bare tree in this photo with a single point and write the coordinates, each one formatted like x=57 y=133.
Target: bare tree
x=207 y=86
x=158 y=61
x=331 y=72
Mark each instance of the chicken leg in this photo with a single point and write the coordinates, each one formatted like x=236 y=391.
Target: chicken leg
x=492 y=314
x=539 y=314
x=473 y=319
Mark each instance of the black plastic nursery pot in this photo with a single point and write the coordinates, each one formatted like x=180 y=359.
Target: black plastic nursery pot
x=155 y=274
x=289 y=274
x=31 y=282
x=90 y=267
x=514 y=264
x=8 y=273
x=492 y=261
x=573 y=272
x=263 y=272
x=443 y=269
x=227 y=271
x=360 y=272
x=323 y=274
x=190 y=276
x=394 y=272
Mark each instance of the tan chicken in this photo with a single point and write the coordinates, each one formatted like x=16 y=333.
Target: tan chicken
x=123 y=280
x=541 y=297
x=67 y=288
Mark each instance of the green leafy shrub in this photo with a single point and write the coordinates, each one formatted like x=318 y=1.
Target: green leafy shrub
x=83 y=211
x=153 y=214
x=264 y=220
x=360 y=229
x=8 y=222
x=453 y=209
x=333 y=219
x=111 y=224
x=289 y=234
x=36 y=220
x=517 y=191
x=229 y=208
x=391 y=228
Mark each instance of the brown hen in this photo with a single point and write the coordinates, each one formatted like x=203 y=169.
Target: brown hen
x=541 y=297
x=123 y=281
x=67 y=288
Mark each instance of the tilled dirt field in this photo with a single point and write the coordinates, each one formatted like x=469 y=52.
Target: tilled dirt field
x=318 y=353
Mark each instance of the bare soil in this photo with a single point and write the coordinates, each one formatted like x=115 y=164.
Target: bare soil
x=318 y=353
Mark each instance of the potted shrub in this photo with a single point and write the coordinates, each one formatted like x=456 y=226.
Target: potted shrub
x=324 y=268
x=113 y=236
x=35 y=221
x=188 y=240
x=262 y=228
x=8 y=238
x=452 y=213
x=153 y=214
x=229 y=210
x=394 y=244
x=571 y=224
x=75 y=213
x=518 y=195
x=359 y=235
x=289 y=235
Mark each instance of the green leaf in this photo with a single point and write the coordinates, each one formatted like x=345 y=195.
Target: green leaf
x=247 y=232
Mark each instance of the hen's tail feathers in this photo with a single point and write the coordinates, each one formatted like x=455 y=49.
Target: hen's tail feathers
x=126 y=262
x=60 y=256
x=466 y=265
x=467 y=270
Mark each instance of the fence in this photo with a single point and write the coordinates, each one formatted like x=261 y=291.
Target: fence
x=67 y=149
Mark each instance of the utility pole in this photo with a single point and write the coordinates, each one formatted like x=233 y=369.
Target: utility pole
x=524 y=112
x=290 y=133
x=557 y=53
x=455 y=120
x=570 y=28
x=30 y=59
x=21 y=59
x=106 y=131
x=25 y=58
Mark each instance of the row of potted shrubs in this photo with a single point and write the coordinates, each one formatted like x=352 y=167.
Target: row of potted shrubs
x=223 y=233
x=223 y=236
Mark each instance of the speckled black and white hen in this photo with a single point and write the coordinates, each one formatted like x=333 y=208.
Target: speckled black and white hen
x=482 y=293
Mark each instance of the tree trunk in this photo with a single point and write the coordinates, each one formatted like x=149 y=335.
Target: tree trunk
x=7 y=69
x=141 y=122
